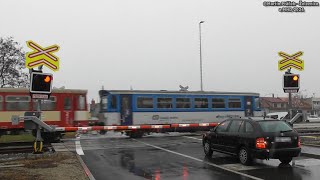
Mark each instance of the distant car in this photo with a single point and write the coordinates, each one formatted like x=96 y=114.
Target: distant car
x=278 y=115
x=313 y=118
x=249 y=139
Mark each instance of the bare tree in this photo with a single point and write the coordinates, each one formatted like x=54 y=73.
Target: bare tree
x=12 y=62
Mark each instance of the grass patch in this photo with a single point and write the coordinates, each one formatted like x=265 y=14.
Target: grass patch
x=69 y=135
x=17 y=138
x=17 y=175
x=47 y=162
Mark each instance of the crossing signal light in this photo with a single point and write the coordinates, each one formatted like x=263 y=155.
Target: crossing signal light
x=291 y=81
x=41 y=83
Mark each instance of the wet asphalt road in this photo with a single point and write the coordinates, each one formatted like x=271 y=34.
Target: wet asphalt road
x=180 y=157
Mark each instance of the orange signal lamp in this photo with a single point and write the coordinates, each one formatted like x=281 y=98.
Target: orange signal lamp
x=295 y=78
x=47 y=79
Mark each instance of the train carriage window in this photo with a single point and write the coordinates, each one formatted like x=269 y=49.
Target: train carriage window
x=18 y=103
x=47 y=104
x=144 y=102
x=201 y=102
x=183 y=103
x=113 y=102
x=1 y=102
x=81 y=102
x=218 y=103
x=164 y=102
x=234 y=103
x=67 y=103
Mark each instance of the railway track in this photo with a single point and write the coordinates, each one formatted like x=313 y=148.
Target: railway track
x=20 y=147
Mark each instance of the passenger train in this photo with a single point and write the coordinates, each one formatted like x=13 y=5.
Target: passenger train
x=64 y=108
x=139 y=107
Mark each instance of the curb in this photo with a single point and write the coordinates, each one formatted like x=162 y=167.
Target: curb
x=85 y=168
x=315 y=156
x=311 y=145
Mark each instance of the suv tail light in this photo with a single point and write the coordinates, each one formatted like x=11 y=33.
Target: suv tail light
x=299 y=142
x=261 y=143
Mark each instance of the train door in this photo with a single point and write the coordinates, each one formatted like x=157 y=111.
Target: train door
x=126 y=109
x=67 y=109
x=248 y=106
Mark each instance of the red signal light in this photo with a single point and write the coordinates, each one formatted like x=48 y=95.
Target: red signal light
x=47 y=79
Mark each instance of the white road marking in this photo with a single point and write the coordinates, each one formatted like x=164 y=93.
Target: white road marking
x=78 y=147
x=193 y=138
x=199 y=160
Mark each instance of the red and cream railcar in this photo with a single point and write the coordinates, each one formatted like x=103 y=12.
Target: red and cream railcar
x=65 y=108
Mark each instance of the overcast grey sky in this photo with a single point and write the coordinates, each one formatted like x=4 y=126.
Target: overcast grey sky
x=154 y=44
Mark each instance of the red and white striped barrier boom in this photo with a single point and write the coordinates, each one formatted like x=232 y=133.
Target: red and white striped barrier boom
x=133 y=127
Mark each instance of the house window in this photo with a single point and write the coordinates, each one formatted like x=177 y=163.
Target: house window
x=275 y=105
x=282 y=105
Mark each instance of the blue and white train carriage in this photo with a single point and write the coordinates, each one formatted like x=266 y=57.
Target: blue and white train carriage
x=140 y=107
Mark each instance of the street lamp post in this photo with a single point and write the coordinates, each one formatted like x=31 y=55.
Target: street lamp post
x=200 y=55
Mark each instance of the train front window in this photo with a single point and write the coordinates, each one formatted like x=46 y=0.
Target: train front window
x=104 y=103
x=144 y=102
x=234 y=103
x=218 y=103
x=183 y=103
x=81 y=102
x=164 y=103
x=18 y=103
x=46 y=105
x=201 y=102
x=113 y=102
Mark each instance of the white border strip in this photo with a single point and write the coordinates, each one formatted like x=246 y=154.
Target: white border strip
x=196 y=159
x=78 y=147
x=193 y=138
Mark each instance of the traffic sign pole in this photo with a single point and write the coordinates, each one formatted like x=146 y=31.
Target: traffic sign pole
x=37 y=58
x=288 y=62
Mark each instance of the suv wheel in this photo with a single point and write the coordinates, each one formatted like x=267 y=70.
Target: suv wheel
x=285 y=160
x=244 y=156
x=207 y=148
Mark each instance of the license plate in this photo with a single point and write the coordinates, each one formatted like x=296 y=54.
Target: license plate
x=283 y=139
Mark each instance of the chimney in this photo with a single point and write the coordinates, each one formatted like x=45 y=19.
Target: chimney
x=272 y=95
x=92 y=105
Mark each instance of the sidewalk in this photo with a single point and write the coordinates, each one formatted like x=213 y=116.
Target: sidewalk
x=310 y=151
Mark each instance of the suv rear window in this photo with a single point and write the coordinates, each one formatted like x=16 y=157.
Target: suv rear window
x=274 y=126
